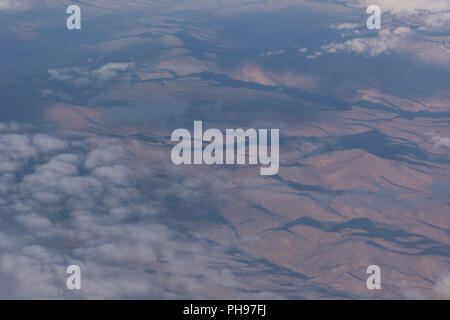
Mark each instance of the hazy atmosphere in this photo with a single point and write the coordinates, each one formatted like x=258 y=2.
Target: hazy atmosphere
x=87 y=171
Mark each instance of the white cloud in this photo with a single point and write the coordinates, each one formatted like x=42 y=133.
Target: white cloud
x=386 y=41
x=441 y=141
x=437 y=22
x=430 y=15
x=75 y=75
x=443 y=287
x=82 y=201
x=107 y=154
x=314 y=55
x=405 y=18
x=399 y=40
x=15 y=5
x=110 y=70
x=82 y=76
x=45 y=143
x=404 y=7
x=272 y=53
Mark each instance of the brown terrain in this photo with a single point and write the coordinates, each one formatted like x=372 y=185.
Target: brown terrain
x=364 y=177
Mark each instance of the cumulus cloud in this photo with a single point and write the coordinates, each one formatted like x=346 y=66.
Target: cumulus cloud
x=404 y=7
x=437 y=22
x=111 y=70
x=86 y=201
x=441 y=141
x=407 y=19
x=82 y=76
x=431 y=15
x=74 y=75
x=15 y=5
x=272 y=53
x=314 y=55
x=443 y=287
x=400 y=40
x=14 y=126
x=386 y=41
x=83 y=202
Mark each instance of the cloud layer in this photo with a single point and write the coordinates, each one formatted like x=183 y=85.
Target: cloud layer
x=84 y=201
x=82 y=76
